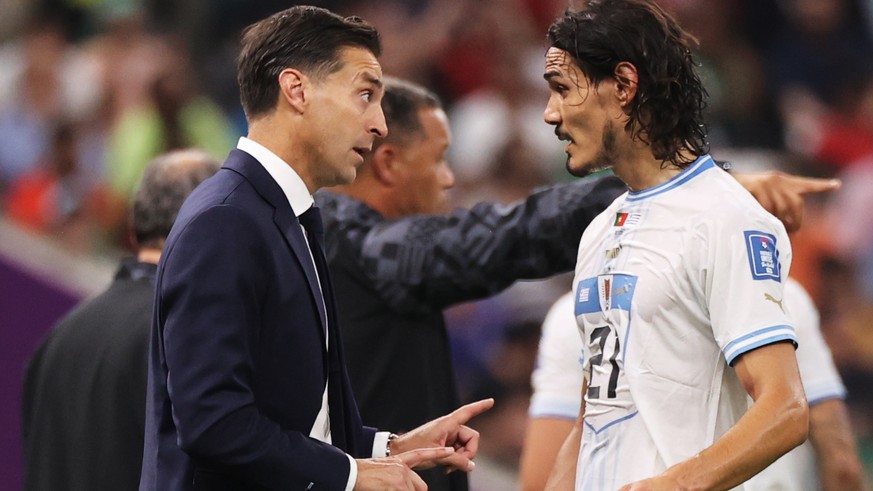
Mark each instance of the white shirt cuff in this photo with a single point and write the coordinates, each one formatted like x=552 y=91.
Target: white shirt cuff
x=380 y=443
x=353 y=473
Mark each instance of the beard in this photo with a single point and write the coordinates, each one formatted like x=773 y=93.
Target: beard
x=605 y=158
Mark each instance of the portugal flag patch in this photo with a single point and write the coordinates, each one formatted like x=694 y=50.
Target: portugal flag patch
x=620 y=218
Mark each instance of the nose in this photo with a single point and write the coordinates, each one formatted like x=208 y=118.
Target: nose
x=447 y=177
x=552 y=115
x=378 y=126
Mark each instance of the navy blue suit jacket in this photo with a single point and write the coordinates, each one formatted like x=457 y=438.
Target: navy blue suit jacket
x=237 y=359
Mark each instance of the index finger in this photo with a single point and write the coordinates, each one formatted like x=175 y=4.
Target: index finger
x=415 y=458
x=466 y=412
x=814 y=184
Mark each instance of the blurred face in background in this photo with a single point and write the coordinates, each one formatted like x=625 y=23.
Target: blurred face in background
x=424 y=174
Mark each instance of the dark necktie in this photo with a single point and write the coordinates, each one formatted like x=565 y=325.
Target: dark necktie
x=342 y=426
x=311 y=221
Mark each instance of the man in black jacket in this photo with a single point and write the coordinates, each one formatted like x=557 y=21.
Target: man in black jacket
x=84 y=390
x=397 y=260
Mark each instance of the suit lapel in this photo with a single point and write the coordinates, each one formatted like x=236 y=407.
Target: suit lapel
x=285 y=220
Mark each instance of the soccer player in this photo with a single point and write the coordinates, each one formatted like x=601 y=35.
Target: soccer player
x=679 y=283
x=827 y=461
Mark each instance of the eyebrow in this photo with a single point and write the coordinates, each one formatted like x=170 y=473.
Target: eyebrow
x=550 y=74
x=369 y=78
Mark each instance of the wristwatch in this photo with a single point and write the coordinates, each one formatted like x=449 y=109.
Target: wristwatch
x=391 y=437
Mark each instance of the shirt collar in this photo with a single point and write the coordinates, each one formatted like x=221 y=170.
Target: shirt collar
x=284 y=175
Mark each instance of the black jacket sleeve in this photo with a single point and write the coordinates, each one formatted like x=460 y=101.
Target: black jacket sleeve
x=424 y=263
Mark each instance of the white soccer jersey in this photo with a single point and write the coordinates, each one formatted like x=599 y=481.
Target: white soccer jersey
x=672 y=285
x=557 y=377
x=557 y=381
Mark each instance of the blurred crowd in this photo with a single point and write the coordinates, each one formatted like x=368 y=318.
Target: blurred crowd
x=90 y=91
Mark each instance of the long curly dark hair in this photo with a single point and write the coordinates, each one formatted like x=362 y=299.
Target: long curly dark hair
x=667 y=112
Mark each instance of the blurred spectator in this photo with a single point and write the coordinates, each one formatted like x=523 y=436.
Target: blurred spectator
x=160 y=108
x=53 y=198
x=837 y=138
x=42 y=197
x=47 y=82
x=851 y=227
x=822 y=48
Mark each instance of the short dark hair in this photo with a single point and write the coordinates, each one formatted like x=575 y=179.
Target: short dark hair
x=667 y=112
x=166 y=183
x=401 y=104
x=303 y=37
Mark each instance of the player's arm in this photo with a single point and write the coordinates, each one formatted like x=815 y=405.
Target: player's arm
x=835 y=448
x=777 y=422
x=563 y=474
x=542 y=441
x=427 y=262
x=782 y=194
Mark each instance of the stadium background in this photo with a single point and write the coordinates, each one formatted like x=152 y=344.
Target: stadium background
x=90 y=90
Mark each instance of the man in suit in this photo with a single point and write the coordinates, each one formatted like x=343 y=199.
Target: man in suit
x=247 y=384
x=84 y=389
x=397 y=259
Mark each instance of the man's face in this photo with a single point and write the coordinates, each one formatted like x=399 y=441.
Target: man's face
x=345 y=117
x=586 y=116
x=425 y=173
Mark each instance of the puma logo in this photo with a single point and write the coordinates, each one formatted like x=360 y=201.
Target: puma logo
x=769 y=297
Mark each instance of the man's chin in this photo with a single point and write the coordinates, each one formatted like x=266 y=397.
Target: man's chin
x=347 y=177
x=575 y=169
x=587 y=168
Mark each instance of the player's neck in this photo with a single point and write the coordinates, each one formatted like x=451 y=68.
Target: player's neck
x=640 y=170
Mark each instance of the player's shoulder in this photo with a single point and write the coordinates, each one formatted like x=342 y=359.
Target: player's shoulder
x=719 y=192
x=725 y=204
x=701 y=191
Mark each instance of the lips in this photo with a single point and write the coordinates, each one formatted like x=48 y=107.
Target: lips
x=361 y=151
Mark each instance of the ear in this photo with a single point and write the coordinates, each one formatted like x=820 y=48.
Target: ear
x=385 y=164
x=627 y=81
x=292 y=85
